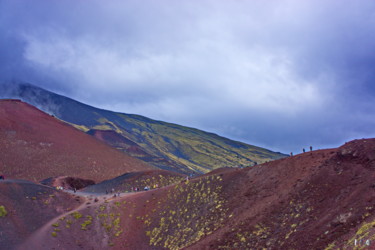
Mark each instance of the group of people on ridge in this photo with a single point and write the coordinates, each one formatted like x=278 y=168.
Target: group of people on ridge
x=303 y=150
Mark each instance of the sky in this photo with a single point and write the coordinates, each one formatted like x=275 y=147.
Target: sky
x=282 y=74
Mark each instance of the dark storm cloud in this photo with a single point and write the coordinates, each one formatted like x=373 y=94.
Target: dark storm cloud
x=280 y=74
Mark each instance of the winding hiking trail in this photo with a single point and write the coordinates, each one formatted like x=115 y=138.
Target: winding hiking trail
x=36 y=240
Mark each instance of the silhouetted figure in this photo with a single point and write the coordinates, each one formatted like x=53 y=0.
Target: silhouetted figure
x=291 y=153
x=310 y=148
x=304 y=150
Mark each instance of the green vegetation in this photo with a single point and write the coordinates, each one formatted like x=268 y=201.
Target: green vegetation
x=107 y=217
x=3 y=211
x=195 y=209
x=195 y=149
x=187 y=149
x=86 y=222
x=77 y=215
x=261 y=234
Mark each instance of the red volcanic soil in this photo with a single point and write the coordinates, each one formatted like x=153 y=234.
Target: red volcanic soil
x=308 y=201
x=315 y=200
x=29 y=206
x=35 y=146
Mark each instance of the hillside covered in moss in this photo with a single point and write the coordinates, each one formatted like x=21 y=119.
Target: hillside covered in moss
x=164 y=145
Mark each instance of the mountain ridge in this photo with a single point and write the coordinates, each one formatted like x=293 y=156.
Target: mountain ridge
x=183 y=149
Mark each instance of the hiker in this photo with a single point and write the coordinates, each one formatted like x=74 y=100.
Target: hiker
x=291 y=153
x=74 y=190
x=310 y=148
x=304 y=150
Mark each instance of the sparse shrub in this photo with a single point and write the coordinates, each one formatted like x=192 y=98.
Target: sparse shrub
x=3 y=211
x=86 y=223
x=77 y=215
x=201 y=209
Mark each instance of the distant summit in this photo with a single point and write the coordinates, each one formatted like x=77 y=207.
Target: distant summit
x=165 y=145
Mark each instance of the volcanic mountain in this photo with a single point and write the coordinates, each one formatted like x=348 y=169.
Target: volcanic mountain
x=35 y=146
x=164 y=145
x=323 y=199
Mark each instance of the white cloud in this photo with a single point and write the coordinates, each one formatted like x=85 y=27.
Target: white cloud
x=207 y=63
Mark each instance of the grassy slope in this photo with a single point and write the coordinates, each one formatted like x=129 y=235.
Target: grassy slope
x=187 y=149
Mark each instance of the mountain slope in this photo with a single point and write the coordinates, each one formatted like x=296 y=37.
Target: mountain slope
x=318 y=200
x=35 y=146
x=27 y=206
x=165 y=145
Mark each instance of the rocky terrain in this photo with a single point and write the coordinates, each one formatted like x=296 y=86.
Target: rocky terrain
x=316 y=200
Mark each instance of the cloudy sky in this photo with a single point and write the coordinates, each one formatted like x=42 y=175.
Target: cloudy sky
x=282 y=74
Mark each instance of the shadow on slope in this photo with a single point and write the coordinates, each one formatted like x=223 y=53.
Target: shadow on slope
x=129 y=181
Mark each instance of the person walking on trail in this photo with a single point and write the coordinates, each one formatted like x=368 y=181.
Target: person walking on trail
x=304 y=150
x=310 y=148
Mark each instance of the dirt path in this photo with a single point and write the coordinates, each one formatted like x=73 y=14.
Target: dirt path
x=35 y=240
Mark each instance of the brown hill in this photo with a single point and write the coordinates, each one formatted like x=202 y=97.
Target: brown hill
x=317 y=200
x=323 y=199
x=26 y=206
x=35 y=146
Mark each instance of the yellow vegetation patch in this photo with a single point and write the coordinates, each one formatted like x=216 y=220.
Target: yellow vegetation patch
x=197 y=211
x=3 y=211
